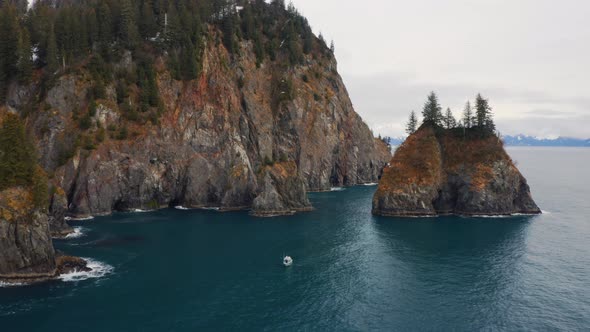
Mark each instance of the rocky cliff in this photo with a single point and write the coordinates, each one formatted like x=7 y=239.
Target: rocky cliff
x=26 y=250
x=214 y=141
x=439 y=171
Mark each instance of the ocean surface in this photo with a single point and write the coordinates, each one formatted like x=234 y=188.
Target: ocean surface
x=188 y=270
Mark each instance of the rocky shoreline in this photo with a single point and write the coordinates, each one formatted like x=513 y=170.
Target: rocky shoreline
x=64 y=265
x=26 y=248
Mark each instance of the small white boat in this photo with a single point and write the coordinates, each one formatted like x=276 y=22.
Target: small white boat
x=287 y=261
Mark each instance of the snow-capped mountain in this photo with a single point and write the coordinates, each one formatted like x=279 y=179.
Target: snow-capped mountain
x=521 y=140
x=524 y=140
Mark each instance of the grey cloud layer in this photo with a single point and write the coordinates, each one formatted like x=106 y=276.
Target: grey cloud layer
x=530 y=57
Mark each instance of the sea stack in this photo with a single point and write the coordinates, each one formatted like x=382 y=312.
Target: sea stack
x=452 y=172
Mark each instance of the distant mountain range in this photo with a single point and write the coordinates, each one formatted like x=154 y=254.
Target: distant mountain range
x=523 y=140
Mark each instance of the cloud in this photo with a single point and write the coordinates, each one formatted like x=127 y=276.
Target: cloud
x=385 y=101
x=526 y=56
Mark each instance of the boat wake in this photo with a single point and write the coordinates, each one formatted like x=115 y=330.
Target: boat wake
x=99 y=270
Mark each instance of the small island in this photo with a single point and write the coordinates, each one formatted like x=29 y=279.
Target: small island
x=447 y=167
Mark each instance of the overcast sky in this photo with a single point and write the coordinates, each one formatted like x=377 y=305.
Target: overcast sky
x=531 y=58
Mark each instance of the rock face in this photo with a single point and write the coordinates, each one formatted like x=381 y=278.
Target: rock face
x=26 y=250
x=441 y=172
x=212 y=145
x=57 y=211
x=281 y=191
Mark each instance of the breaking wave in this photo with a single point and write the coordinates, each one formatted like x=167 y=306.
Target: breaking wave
x=78 y=233
x=99 y=270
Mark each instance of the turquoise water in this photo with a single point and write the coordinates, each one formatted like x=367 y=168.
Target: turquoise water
x=202 y=270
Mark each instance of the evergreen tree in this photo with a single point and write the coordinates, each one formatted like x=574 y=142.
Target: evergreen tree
x=483 y=114
x=248 y=26
x=449 y=119
x=278 y=3
x=229 y=33
x=259 y=50
x=481 y=110
x=322 y=40
x=468 y=116
x=9 y=45
x=127 y=28
x=412 y=124
x=39 y=188
x=148 y=26
x=25 y=64
x=432 y=112
x=188 y=60
x=307 y=40
x=105 y=30
x=172 y=26
x=17 y=161
x=52 y=53
x=92 y=28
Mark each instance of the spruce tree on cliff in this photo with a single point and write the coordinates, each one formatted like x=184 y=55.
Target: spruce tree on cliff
x=449 y=120
x=229 y=40
x=16 y=154
x=432 y=112
x=9 y=42
x=467 y=116
x=483 y=114
x=412 y=124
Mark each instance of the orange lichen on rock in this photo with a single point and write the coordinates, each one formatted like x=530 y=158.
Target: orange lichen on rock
x=460 y=151
x=416 y=161
x=15 y=203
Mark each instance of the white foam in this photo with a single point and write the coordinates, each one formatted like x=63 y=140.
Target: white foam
x=370 y=184
x=78 y=233
x=140 y=211
x=79 y=219
x=180 y=207
x=545 y=212
x=337 y=189
x=99 y=270
x=10 y=284
x=491 y=216
x=211 y=208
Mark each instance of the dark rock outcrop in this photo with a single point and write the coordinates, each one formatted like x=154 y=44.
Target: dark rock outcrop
x=281 y=191
x=57 y=212
x=442 y=172
x=68 y=264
